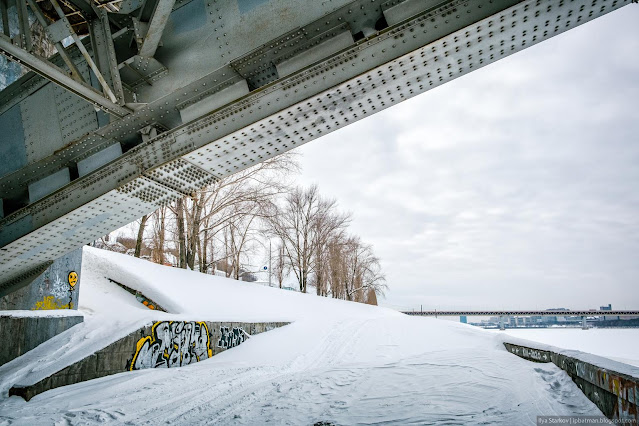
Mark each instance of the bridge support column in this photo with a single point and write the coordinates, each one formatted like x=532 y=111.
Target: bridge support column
x=584 y=324
x=53 y=288
x=502 y=322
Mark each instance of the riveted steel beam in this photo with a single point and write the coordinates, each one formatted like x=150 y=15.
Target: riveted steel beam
x=87 y=57
x=156 y=27
x=59 y=77
x=75 y=74
x=104 y=51
x=23 y=25
x=5 y=17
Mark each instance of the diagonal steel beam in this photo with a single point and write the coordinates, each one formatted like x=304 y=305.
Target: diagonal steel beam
x=85 y=7
x=75 y=73
x=104 y=52
x=23 y=24
x=59 y=77
x=156 y=27
x=107 y=90
x=5 y=17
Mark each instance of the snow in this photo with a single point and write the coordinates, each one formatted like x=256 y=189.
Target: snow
x=619 y=344
x=40 y=314
x=338 y=361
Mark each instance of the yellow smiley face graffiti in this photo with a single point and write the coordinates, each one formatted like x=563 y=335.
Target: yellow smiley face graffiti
x=73 y=279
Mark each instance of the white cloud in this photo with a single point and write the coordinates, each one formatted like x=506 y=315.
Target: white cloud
x=513 y=186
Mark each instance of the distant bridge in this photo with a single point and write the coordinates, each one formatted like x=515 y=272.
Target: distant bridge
x=503 y=314
x=520 y=313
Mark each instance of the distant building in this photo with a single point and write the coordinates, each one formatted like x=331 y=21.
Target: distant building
x=608 y=308
x=463 y=319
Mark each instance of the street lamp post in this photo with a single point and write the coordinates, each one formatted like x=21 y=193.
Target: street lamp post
x=269 y=262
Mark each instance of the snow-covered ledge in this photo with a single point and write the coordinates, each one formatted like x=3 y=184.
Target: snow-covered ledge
x=614 y=391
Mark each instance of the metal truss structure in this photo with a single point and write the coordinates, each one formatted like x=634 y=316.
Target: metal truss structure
x=520 y=313
x=146 y=101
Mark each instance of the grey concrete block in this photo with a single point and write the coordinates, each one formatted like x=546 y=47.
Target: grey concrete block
x=99 y=159
x=48 y=185
x=22 y=334
x=50 y=289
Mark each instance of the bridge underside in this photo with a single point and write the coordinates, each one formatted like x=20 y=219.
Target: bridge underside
x=212 y=98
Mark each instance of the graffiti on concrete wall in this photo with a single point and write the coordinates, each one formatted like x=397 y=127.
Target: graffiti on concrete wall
x=60 y=293
x=231 y=338
x=172 y=344
x=49 y=303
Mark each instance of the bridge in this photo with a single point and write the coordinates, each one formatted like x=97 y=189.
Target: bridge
x=503 y=314
x=520 y=313
x=155 y=99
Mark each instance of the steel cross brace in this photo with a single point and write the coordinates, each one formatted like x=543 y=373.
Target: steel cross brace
x=59 y=77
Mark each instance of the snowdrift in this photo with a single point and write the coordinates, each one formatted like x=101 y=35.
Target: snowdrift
x=338 y=361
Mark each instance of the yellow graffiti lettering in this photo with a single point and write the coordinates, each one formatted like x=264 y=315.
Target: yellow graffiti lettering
x=155 y=347
x=50 y=302
x=141 y=343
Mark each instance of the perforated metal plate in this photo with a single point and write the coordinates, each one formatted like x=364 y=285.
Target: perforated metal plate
x=181 y=176
x=84 y=225
x=40 y=122
x=76 y=119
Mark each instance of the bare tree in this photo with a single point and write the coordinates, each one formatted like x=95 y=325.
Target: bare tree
x=363 y=273
x=304 y=223
x=138 y=242
x=228 y=204
x=159 y=236
x=181 y=238
x=279 y=267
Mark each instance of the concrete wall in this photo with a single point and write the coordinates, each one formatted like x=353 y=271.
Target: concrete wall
x=20 y=334
x=616 y=394
x=51 y=289
x=163 y=344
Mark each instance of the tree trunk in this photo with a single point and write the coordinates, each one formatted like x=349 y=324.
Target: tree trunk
x=162 y=219
x=194 y=232
x=138 y=243
x=204 y=266
x=181 y=240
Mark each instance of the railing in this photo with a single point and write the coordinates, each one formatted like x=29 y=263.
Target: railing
x=522 y=313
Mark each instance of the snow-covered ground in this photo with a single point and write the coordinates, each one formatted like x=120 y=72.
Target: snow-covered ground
x=621 y=344
x=338 y=362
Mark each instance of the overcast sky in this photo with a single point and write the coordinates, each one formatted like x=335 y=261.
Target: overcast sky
x=516 y=186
